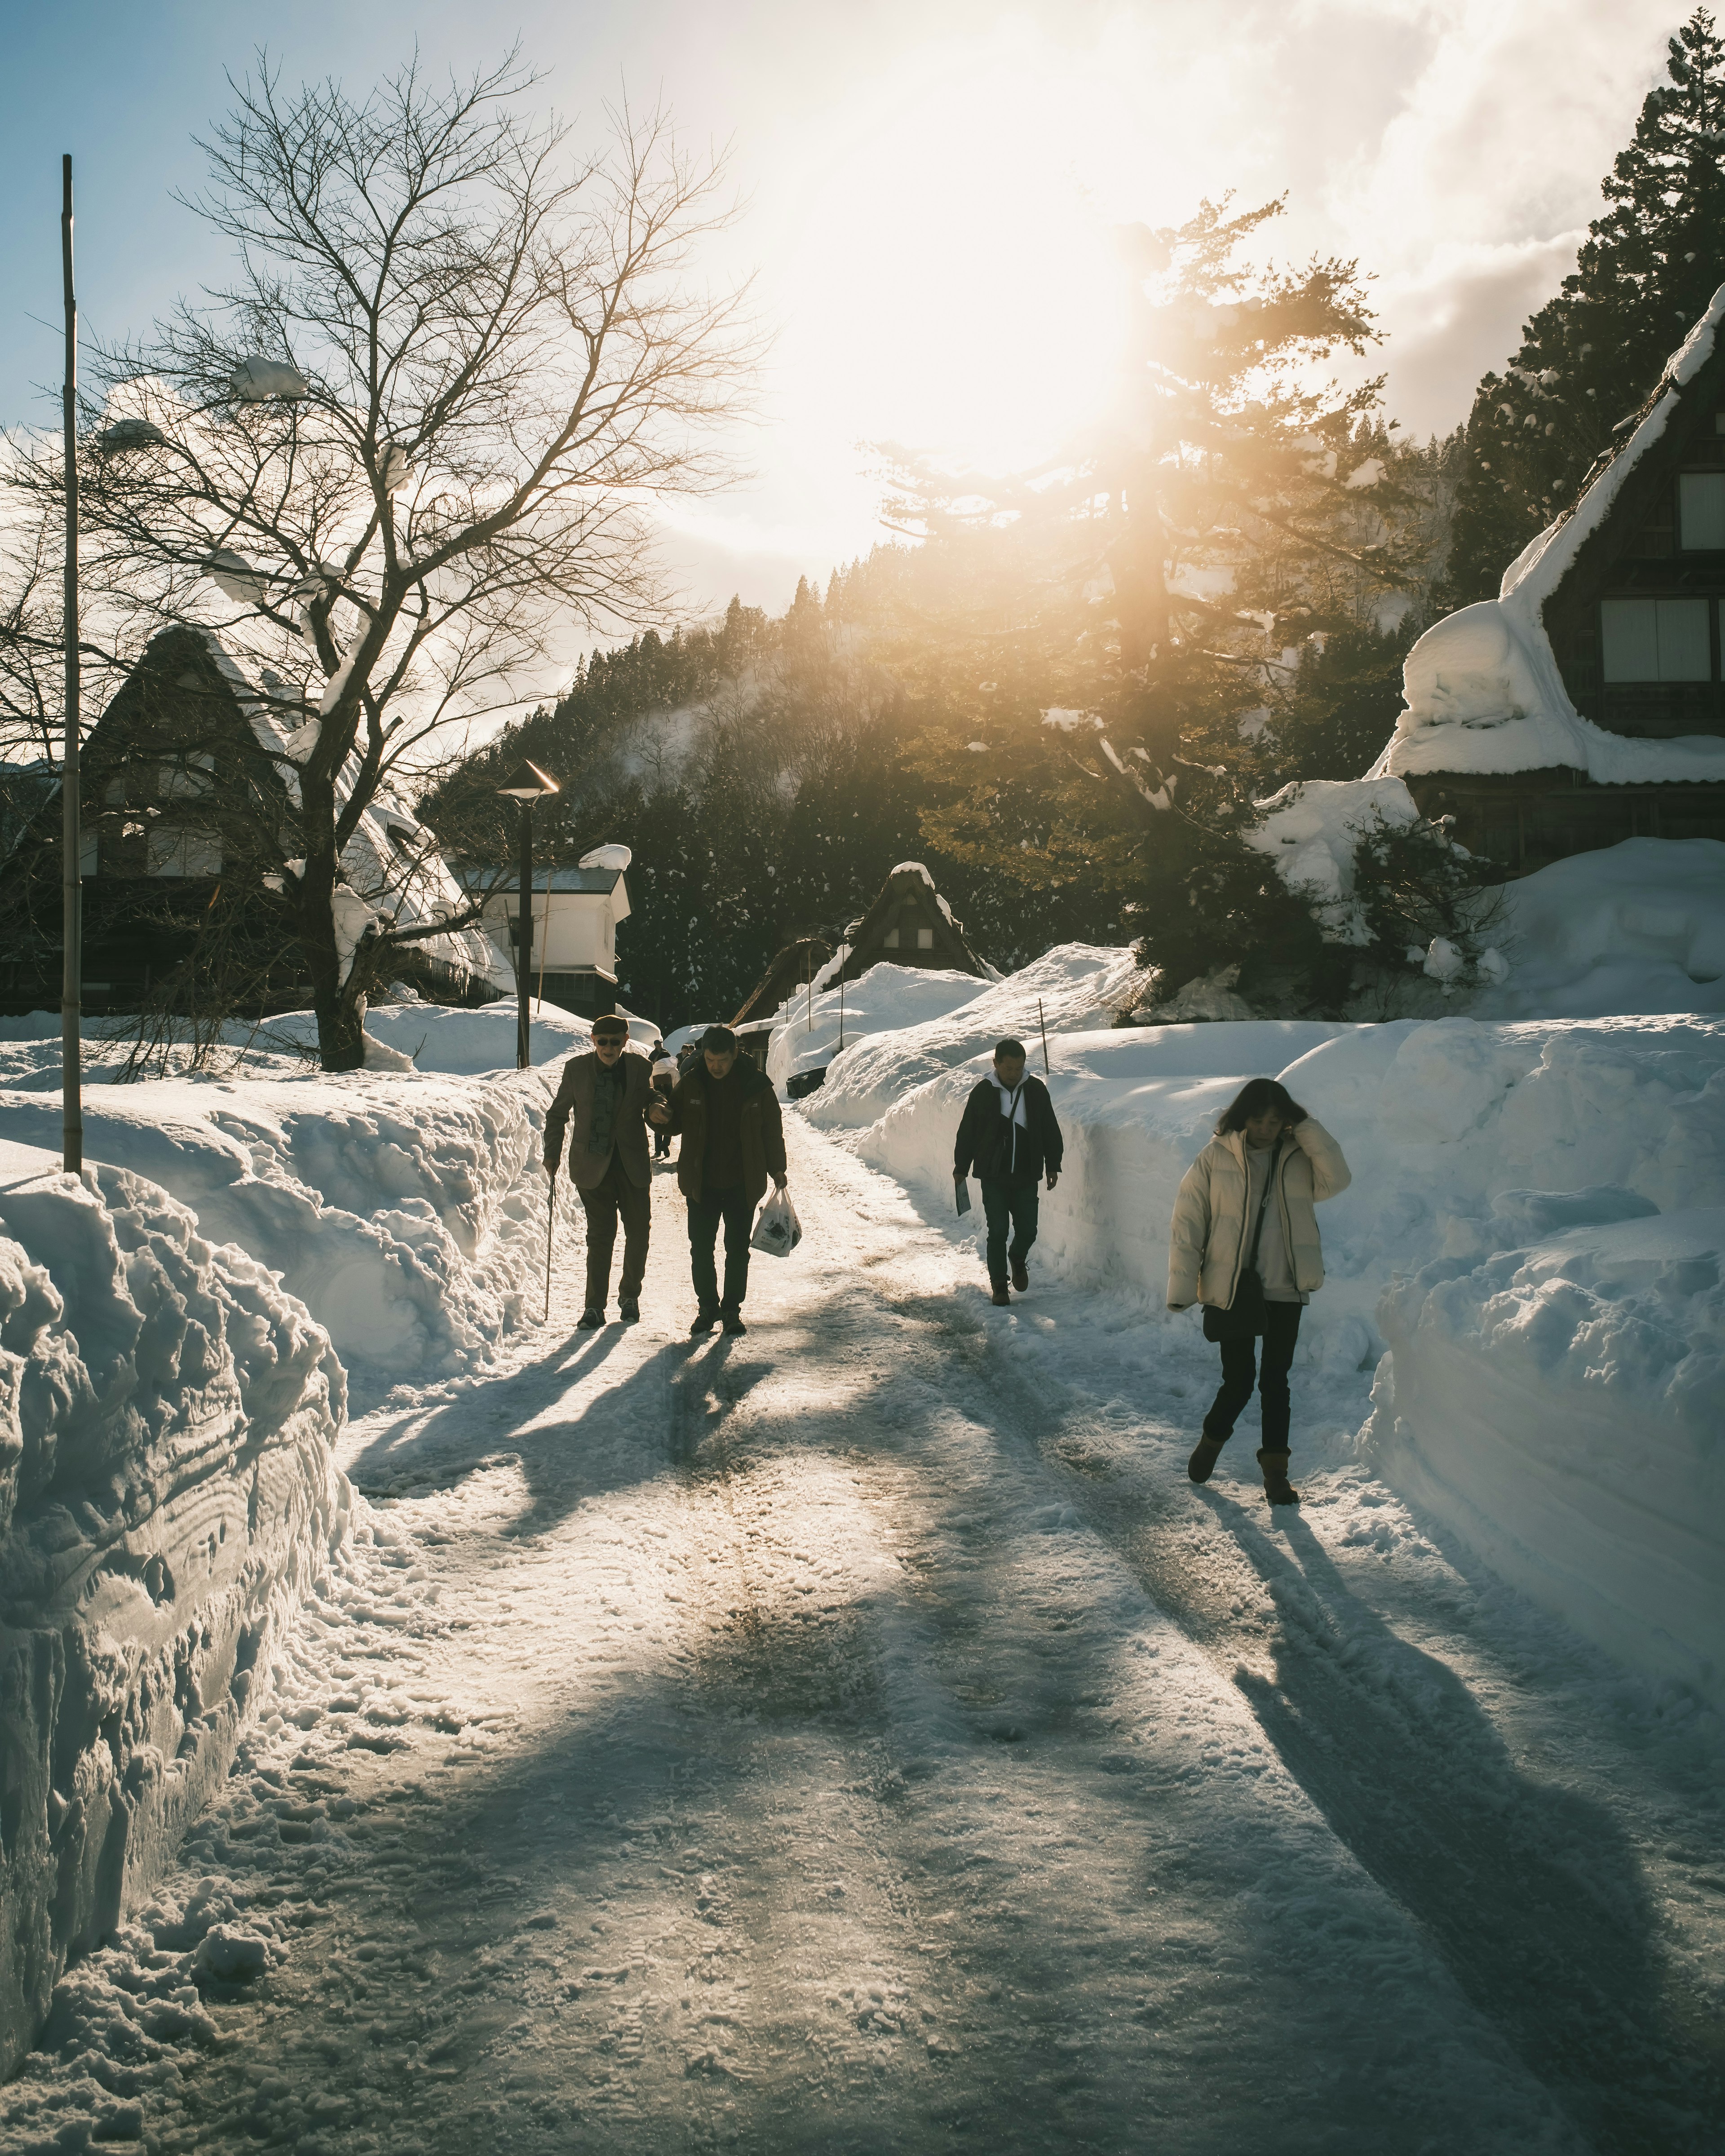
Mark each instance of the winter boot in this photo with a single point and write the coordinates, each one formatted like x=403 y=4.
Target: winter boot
x=590 y=1319
x=705 y=1319
x=1277 y=1489
x=630 y=1310
x=731 y=1320
x=1205 y=1455
x=1020 y=1275
x=998 y=1297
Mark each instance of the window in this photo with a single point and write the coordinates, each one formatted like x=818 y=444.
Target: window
x=925 y=939
x=1658 y=640
x=1700 y=511
x=888 y=941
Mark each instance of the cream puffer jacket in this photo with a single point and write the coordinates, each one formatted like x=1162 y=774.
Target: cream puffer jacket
x=1207 y=1240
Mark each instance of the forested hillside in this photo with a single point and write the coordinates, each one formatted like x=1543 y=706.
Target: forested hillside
x=1062 y=692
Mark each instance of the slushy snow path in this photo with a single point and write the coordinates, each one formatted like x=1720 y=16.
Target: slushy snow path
x=860 y=1737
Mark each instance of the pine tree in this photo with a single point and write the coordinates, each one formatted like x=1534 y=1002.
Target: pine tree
x=1134 y=600
x=1590 y=356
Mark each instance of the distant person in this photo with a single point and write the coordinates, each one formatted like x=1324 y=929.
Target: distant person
x=1245 y=1244
x=602 y=1097
x=664 y=1070
x=1009 y=1135
x=733 y=1140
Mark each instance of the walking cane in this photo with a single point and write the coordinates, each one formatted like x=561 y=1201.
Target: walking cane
x=551 y=1218
x=1046 y=1070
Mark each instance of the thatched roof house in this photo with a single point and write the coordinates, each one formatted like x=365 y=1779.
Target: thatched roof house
x=910 y=924
x=1586 y=703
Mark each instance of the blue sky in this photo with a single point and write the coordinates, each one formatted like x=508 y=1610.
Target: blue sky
x=926 y=188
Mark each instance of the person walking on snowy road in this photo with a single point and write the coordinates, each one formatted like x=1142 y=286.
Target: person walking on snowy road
x=604 y=1094
x=663 y=1068
x=1008 y=1134
x=733 y=1139
x=1245 y=1244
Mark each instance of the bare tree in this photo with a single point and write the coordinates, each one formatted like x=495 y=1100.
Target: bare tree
x=423 y=428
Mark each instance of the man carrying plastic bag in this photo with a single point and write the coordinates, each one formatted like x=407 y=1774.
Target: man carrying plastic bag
x=733 y=1138
x=778 y=1231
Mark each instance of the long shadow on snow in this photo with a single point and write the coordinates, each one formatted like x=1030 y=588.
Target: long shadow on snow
x=645 y=1784
x=1532 y=1894
x=616 y=1437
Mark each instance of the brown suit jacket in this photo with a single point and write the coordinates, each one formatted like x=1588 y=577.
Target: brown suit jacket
x=573 y=1107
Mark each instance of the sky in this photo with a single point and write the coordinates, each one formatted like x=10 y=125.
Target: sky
x=924 y=191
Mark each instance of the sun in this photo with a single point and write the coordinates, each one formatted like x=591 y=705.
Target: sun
x=951 y=282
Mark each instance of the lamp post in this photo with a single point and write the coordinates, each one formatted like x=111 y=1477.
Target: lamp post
x=528 y=785
x=71 y=834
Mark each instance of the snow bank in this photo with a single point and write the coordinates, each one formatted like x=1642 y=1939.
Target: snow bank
x=1467 y=1140
x=403 y=1210
x=886 y=999
x=1561 y=1405
x=167 y=1492
x=1635 y=928
x=1079 y=986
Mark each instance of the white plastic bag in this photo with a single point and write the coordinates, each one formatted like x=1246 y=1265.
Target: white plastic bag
x=778 y=1231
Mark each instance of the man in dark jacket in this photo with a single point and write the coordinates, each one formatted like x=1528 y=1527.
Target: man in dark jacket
x=1009 y=1135
x=733 y=1139
x=602 y=1096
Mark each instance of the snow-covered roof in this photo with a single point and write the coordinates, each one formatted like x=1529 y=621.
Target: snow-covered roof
x=1483 y=690
x=391 y=863
x=585 y=881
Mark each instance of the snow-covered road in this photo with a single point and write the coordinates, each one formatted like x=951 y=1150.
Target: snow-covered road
x=859 y=1736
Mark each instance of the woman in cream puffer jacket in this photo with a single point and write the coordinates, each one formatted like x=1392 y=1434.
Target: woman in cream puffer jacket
x=1214 y=1217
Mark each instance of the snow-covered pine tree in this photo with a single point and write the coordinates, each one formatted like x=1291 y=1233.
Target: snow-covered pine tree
x=1647 y=269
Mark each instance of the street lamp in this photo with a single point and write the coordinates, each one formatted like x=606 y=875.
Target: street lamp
x=528 y=785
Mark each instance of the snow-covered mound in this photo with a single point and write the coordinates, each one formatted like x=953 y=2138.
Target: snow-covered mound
x=167 y=1493
x=1561 y=1405
x=458 y=1043
x=1079 y=986
x=1466 y=1139
x=886 y=999
x=403 y=1211
x=1312 y=830
x=1635 y=928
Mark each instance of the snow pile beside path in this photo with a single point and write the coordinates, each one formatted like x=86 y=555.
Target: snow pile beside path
x=1466 y=1141
x=1635 y=928
x=1135 y=1106
x=405 y=1212
x=167 y=1493
x=1079 y=986
x=1561 y=1405
x=886 y=999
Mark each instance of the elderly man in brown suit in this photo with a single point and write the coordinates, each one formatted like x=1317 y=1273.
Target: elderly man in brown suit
x=602 y=1100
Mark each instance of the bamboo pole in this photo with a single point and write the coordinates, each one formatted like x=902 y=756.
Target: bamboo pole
x=71 y=830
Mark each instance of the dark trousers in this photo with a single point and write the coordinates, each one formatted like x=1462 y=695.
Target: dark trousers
x=1010 y=1200
x=611 y=1195
x=736 y=1209
x=1240 y=1366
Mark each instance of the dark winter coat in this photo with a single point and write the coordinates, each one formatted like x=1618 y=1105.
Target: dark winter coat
x=573 y=1105
x=982 y=1141
x=763 y=1128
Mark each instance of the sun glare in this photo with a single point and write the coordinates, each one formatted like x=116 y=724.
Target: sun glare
x=951 y=280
